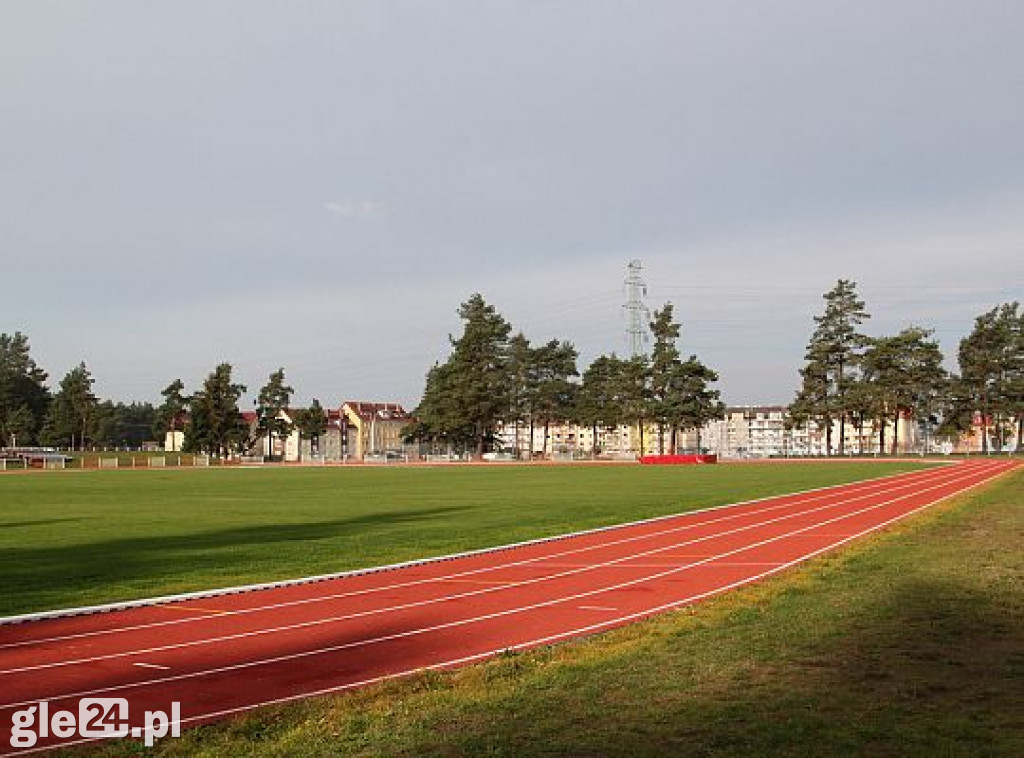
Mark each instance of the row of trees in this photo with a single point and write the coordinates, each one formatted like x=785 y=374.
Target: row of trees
x=494 y=378
x=853 y=379
x=73 y=417
x=212 y=422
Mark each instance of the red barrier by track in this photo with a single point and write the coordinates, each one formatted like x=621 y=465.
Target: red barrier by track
x=677 y=459
x=222 y=655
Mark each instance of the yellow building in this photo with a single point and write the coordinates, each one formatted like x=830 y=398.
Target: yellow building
x=374 y=429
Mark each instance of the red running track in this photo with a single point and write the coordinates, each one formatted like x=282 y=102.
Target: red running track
x=225 y=654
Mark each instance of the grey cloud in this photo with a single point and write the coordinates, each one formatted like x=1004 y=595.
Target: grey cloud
x=173 y=168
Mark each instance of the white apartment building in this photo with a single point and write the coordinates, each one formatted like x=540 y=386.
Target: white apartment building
x=572 y=440
x=746 y=431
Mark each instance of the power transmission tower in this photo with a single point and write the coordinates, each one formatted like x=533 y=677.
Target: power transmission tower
x=637 y=313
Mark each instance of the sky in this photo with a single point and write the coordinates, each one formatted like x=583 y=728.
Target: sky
x=319 y=185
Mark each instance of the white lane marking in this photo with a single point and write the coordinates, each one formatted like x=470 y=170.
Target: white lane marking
x=816 y=494
x=459 y=596
x=167 y=599
x=152 y=666
x=993 y=474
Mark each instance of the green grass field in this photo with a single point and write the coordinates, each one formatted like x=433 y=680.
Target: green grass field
x=77 y=538
x=910 y=643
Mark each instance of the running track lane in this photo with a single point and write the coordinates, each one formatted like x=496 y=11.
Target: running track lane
x=226 y=654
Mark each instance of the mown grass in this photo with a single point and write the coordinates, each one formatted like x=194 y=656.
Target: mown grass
x=71 y=538
x=910 y=643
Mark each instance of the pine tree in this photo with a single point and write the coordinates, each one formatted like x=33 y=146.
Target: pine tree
x=633 y=391
x=215 y=424
x=272 y=401
x=1015 y=369
x=906 y=378
x=521 y=385
x=664 y=366
x=813 y=402
x=439 y=419
x=680 y=392
x=311 y=423
x=598 y=404
x=72 y=413
x=477 y=375
x=24 y=398
x=697 y=402
x=834 y=349
x=554 y=393
x=991 y=362
x=171 y=413
x=18 y=425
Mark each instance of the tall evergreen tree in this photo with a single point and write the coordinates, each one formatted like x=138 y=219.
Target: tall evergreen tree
x=522 y=386
x=122 y=425
x=215 y=424
x=1015 y=369
x=681 y=396
x=311 y=423
x=135 y=423
x=813 y=402
x=906 y=376
x=697 y=402
x=18 y=427
x=634 y=393
x=477 y=376
x=273 y=399
x=664 y=369
x=881 y=377
x=863 y=406
x=599 y=404
x=833 y=351
x=170 y=416
x=71 y=415
x=554 y=392
x=991 y=363
x=24 y=398
x=438 y=419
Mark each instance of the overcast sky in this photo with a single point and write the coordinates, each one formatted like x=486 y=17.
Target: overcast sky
x=318 y=185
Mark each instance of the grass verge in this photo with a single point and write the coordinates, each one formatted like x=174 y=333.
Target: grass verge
x=909 y=643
